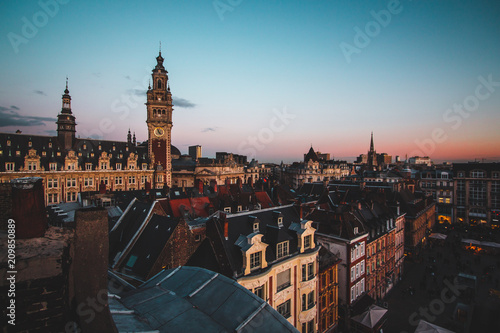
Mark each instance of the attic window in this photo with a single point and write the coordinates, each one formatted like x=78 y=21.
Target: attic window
x=280 y=222
x=44 y=153
x=50 y=144
x=84 y=146
x=356 y=230
x=255 y=260
x=282 y=250
x=239 y=208
x=30 y=144
x=8 y=143
x=256 y=227
x=197 y=238
x=227 y=209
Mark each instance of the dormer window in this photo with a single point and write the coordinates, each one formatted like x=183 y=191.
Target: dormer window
x=307 y=242
x=256 y=227
x=118 y=166
x=255 y=260
x=50 y=144
x=239 y=208
x=282 y=250
x=227 y=209
x=30 y=144
x=356 y=230
x=8 y=143
x=280 y=222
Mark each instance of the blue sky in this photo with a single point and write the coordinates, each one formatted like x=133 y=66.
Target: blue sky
x=236 y=65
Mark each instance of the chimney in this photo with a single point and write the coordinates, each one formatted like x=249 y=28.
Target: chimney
x=28 y=207
x=222 y=216
x=239 y=182
x=90 y=267
x=213 y=184
x=250 y=181
x=199 y=185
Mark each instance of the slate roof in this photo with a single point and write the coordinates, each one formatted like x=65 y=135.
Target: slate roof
x=191 y=299
x=237 y=227
x=144 y=253
x=51 y=147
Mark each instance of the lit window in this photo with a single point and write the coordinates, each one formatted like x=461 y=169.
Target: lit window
x=52 y=166
x=88 y=166
x=9 y=166
x=256 y=227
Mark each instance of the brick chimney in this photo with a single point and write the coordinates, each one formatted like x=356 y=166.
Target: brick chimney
x=28 y=207
x=213 y=184
x=90 y=270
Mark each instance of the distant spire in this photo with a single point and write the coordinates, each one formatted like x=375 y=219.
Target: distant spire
x=134 y=141
x=149 y=84
x=66 y=91
x=160 y=47
x=371 y=144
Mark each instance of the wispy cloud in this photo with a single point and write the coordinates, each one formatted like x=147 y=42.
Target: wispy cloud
x=128 y=77
x=10 y=117
x=137 y=92
x=182 y=103
x=40 y=92
x=208 y=129
x=177 y=101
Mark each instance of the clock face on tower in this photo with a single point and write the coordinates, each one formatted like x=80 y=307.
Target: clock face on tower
x=159 y=131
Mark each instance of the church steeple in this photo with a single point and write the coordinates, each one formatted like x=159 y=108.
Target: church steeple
x=66 y=125
x=371 y=144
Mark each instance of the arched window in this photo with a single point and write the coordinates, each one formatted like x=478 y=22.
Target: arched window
x=159 y=84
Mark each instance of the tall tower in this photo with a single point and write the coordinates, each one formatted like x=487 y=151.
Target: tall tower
x=159 y=120
x=66 y=125
x=372 y=155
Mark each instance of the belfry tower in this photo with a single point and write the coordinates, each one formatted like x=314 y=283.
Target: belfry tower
x=66 y=125
x=159 y=120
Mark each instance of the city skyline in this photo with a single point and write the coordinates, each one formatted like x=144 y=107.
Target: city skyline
x=264 y=78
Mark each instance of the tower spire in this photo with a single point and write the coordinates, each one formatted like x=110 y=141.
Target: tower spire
x=371 y=144
x=160 y=47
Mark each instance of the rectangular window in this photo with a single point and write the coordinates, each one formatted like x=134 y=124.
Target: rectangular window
x=307 y=271
x=255 y=260
x=52 y=183
x=362 y=286
x=9 y=166
x=307 y=242
x=144 y=166
x=259 y=291
x=104 y=180
x=131 y=179
x=352 y=293
x=53 y=166
x=53 y=198
x=362 y=267
x=144 y=179
x=357 y=271
x=362 y=247
x=282 y=250
x=284 y=309
x=118 y=166
x=88 y=181
x=308 y=327
x=131 y=167
x=283 y=280
x=88 y=166
x=353 y=255
x=104 y=166
x=71 y=196
x=353 y=273
x=118 y=180
x=71 y=182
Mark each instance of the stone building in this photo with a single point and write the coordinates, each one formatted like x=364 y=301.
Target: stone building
x=313 y=169
x=70 y=165
x=477 y=193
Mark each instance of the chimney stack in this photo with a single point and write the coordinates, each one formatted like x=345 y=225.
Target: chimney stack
x=28 y=207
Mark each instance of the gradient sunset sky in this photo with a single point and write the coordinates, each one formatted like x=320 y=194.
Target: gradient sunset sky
x=423 y=75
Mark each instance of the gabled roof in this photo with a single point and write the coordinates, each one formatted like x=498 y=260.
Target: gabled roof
x=149 y=245
x=311 y=156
